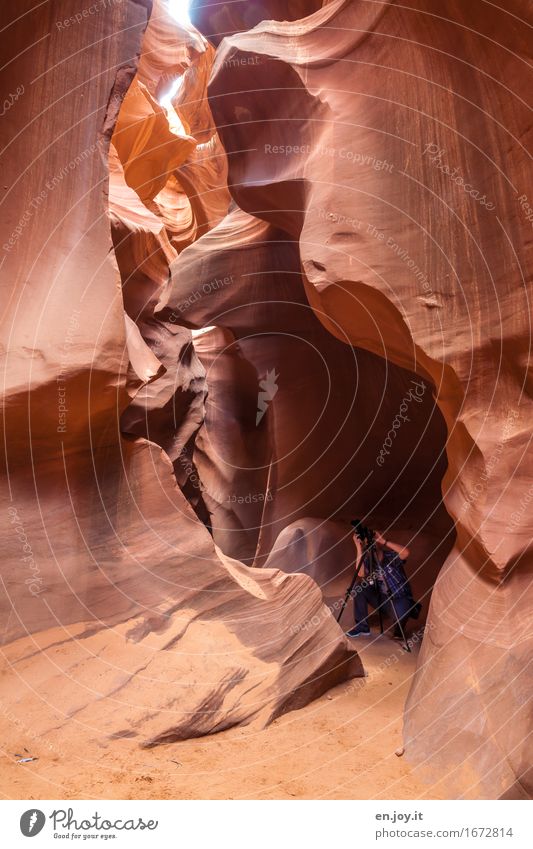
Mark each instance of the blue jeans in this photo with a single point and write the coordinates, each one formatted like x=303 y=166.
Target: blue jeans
x=369 y=595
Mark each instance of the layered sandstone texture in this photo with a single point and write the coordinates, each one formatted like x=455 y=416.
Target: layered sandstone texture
x=120 y=616
x=389 y=146
x=271 y=276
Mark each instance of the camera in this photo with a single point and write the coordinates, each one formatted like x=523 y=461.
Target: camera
x=365 y=534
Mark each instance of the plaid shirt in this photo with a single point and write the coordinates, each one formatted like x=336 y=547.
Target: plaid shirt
x=391 y=573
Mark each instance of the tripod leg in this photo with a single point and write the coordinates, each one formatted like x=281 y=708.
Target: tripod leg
x=380 y=608
x=345 y=602
x=378 y=591
x=349 y=590
x=406 y=646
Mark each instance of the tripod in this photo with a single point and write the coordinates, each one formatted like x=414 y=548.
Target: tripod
x=375 y=576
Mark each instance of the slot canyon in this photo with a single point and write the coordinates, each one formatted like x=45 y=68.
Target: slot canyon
x=263 y=276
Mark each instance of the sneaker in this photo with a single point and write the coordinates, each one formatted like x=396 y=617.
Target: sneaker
x=358 y=632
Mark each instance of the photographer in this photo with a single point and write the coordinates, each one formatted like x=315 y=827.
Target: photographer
x=383 y=585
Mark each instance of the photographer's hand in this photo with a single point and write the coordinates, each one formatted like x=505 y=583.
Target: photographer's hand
x=402 y=550
x=358 y=548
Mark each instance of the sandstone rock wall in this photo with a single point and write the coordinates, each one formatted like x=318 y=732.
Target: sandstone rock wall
x=322 y=223
x=118 y=612
x=391 y=142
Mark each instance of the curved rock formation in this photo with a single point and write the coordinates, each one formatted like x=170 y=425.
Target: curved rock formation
x=217 y=20
x=119 y=613
x=316 y=307
x=386 y=163
x=324 y=438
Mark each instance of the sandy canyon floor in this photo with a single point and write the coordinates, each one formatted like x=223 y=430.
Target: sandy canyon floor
x=341 y=746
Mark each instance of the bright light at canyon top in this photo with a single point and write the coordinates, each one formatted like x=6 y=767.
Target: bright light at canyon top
x=179 y=9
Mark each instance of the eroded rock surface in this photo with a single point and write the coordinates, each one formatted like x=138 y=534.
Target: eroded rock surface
x=399 y=162
x=119 y=614
x=315 y=308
